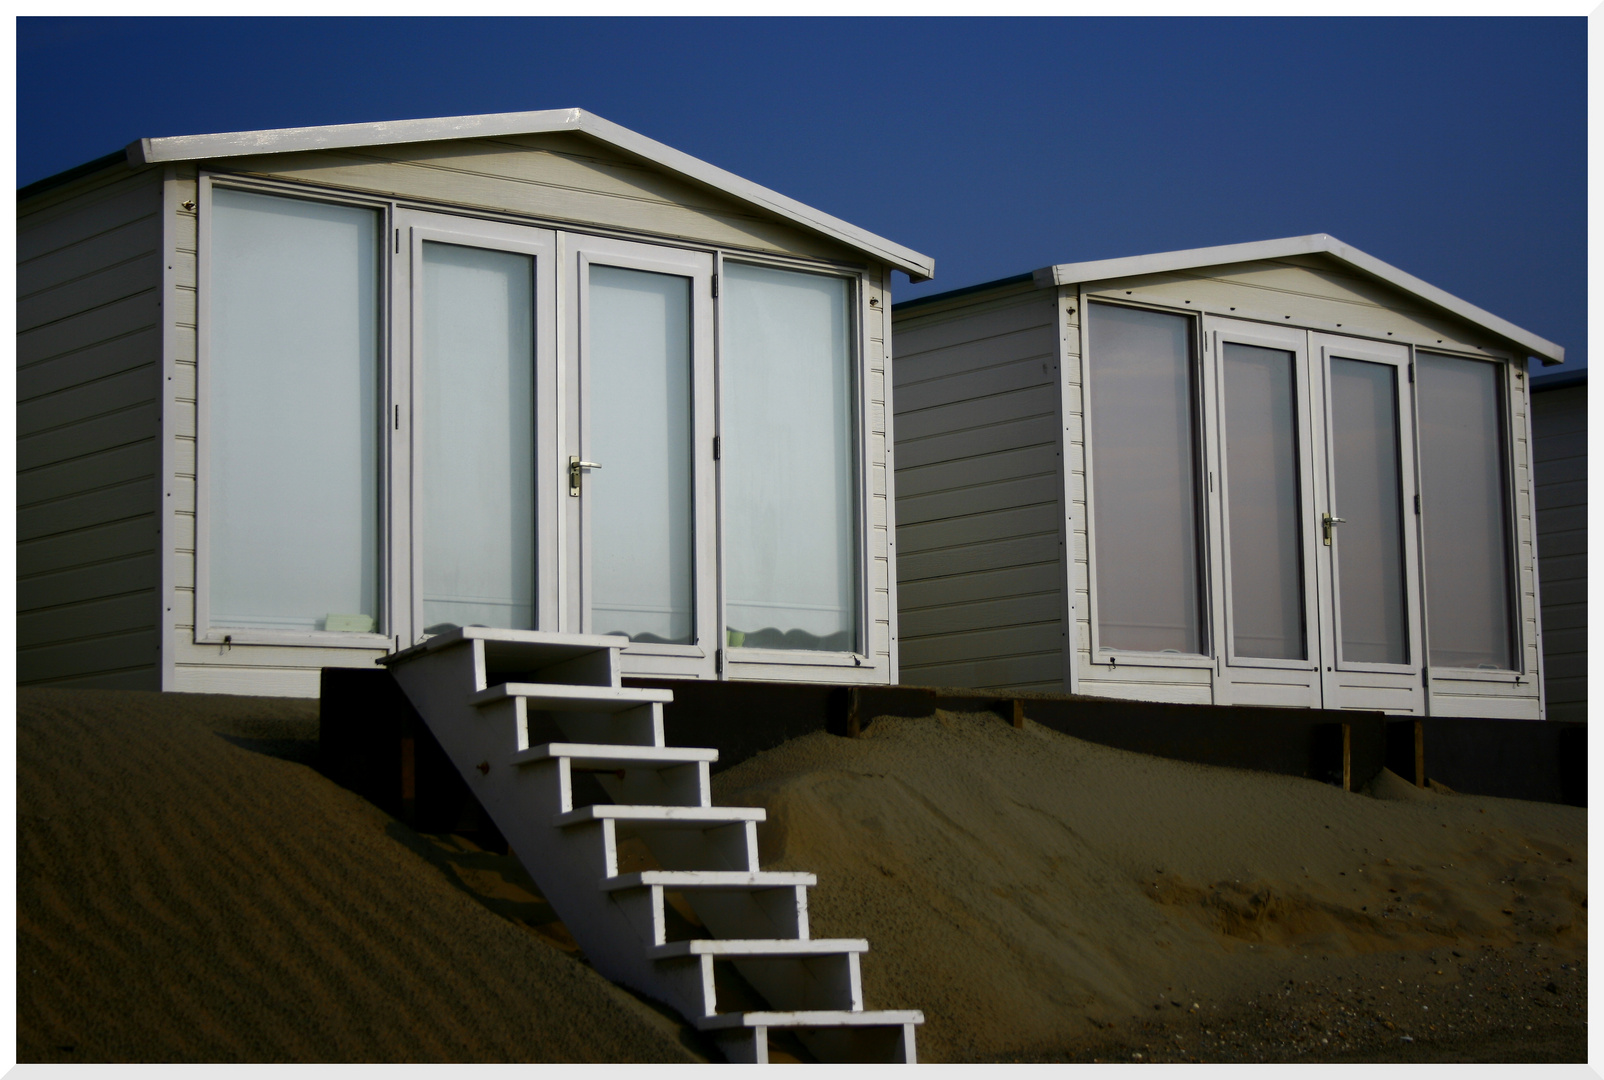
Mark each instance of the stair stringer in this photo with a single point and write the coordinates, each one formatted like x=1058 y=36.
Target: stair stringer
x=567 y=863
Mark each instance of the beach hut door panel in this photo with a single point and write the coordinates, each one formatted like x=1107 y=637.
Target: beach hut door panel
x=1313 y=544
x=637 y=450
x=1263 y=548
x=1370 y=627
x=479 y=324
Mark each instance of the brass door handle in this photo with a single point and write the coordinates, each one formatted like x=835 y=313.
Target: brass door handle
x=576 y=473
x=1326 y=521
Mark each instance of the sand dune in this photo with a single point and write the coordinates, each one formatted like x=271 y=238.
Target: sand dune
x=190 y=889
x=183 y=898
x=1026 y=889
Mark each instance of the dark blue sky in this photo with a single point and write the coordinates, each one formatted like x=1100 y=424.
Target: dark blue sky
x=1453 y=149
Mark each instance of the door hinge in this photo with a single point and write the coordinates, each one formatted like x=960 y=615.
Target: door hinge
x=398 y=241
x=398 y=418
x=1411 y=371
x=1417 y=502
x=715 y=286
x=715 y=448
x=718 y=660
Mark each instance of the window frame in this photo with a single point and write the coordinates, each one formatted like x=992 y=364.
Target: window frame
x=863 y=562
x=1508 y=376
x=1113 y=658
x=203 y=631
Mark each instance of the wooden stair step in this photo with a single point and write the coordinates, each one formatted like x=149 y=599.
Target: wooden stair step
x=554 y=698
x=668 y=816
x=614 y=756
x=710 y=879
x=817 y=1018
x=758 y=947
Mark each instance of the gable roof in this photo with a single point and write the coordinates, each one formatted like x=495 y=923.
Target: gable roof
x=1315 y=244
x=338 y=136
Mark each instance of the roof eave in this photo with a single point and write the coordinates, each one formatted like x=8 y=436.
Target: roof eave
x=384 y=133
x=1316 y=243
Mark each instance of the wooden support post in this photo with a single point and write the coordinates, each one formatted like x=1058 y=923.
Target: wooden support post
x=1019 y=713
x=1420 y=754
x=1347 y=757
x=852 y=713
x=409 y=777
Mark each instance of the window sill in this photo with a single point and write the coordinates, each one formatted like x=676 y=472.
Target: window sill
x=1114 y=659
x=799 y=657
x=322 y=639
x=1481 y=675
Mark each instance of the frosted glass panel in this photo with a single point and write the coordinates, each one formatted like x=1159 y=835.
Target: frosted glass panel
x=790 y=531
x=1145 y=480
x=477 y=427
x=640 y=433
x=1262 y=503
x=293 y=392
x=1369 y=545
x=1466 y=522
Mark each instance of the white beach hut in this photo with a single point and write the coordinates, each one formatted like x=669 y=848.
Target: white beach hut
x=298 y=398
x=1280 y=473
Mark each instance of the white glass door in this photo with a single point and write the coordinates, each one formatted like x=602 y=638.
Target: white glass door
x=638 y=453
x=1264 y=547
x=481 y=414
x=1370 y=624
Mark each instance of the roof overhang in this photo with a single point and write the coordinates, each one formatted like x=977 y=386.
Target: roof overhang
x=342 y=136
x=1316 y=244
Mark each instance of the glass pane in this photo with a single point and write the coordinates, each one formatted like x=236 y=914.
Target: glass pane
x=1263 y=508
x=1145 y=486
x=477 y=430
x=1463 y=494
x=790 y=567
x=1369 y=544
x=293 y=393
x=640 y=432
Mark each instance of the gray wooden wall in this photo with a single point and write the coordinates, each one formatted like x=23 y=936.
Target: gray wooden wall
x=1559 y=429
x=88 y=364
x=979 y=480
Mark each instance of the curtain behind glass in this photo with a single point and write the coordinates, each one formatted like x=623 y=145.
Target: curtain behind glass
x=478 y=451
x=1145 y=488
x=790 y=532
x=1263 y=507
x=1463 y=496
x=1369 y=544
x=293 y=398
x=639 y=413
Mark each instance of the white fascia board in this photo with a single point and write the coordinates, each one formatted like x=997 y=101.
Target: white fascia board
x=389 y=132
x=1315 y=244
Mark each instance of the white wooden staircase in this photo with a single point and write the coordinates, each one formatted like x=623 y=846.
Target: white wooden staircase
x=530 y=720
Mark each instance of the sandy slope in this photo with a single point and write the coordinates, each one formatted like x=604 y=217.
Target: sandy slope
x=1029 y=890
x=190 y=890
x=182 y=897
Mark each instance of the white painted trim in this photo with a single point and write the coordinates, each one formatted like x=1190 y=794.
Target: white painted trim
x=167 y=573
x=883 y=291
x=1065 y=303
x=1314 y=244
x=1538 y=673
x=384 y=133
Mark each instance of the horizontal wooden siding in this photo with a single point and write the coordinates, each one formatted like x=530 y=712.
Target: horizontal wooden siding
x=88 y=382
x=980 y=481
